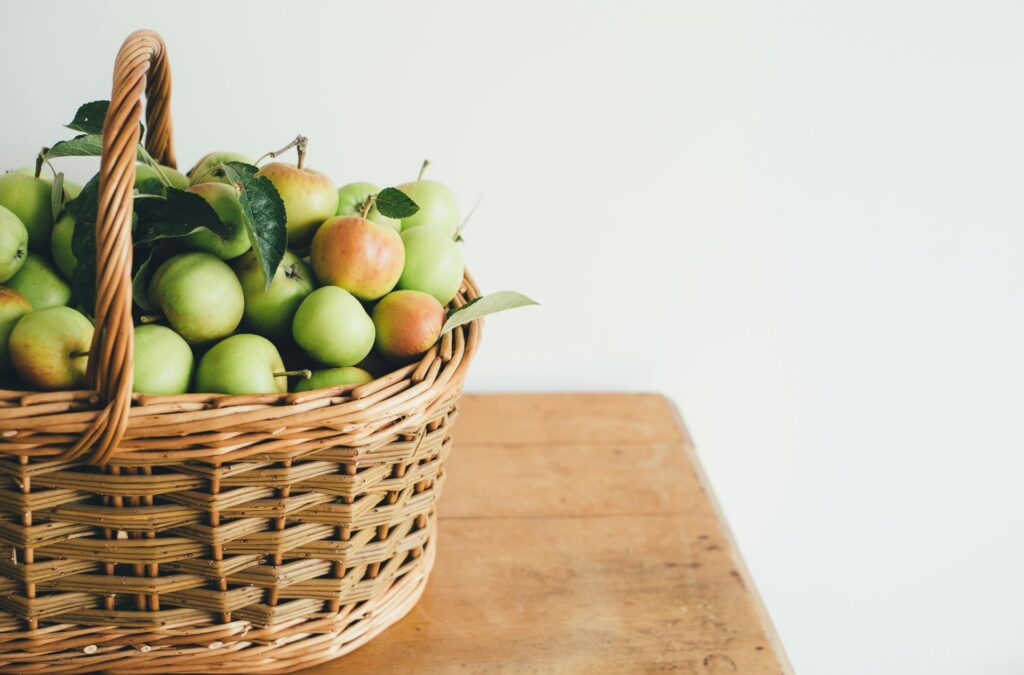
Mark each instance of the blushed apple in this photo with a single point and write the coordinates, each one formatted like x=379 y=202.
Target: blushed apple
x=358 y=255
x=407 y=324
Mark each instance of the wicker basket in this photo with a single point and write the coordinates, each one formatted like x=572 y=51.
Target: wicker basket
x=210 y=533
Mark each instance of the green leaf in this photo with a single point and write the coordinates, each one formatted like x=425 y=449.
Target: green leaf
x=140 y=282
x=394 y=203
x=177 y=215
x=57 y=194
x=86 y=145
x=484 y=305
x=263 y=213
x=152 y=187
x=83 y=243
x=89 y=118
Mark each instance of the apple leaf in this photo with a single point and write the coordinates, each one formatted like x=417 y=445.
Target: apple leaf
x=89 y=118
x=263 y=213
x=484 y=305
x=177 y=215
x=85 y=145
x=394 y=203
x=140 y=282
x=151 y=186
x=57 y=194
x=83 y=243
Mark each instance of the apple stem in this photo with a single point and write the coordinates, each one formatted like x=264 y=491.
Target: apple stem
x=301 y=150
x=305 y=373
x=40 y=158
x=78 y=355
x=364 y=210
x=423 y=168
x=299 y=142
x=150 y=318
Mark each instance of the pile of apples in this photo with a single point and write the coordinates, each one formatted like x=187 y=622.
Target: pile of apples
x=355 y=294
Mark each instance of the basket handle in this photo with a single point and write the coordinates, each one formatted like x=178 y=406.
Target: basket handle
x=141 y=66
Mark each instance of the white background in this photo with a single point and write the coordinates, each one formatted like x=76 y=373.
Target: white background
x=800 y=220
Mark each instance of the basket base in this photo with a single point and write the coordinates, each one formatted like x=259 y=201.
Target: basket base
x=228 y=648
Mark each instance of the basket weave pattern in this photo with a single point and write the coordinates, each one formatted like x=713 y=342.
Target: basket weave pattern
x=201 y=532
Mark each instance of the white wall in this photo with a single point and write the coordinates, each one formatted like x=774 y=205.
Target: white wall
x=801 y=220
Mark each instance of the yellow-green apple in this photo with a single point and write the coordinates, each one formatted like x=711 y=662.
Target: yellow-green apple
x=332 y=377
x=199 y=295
x=13 y=306
x=407 y=324
x=224 y=200
x=358 y=255
x=13 y=244
x=29 y=198
x=49 y=348
x=242 y=364
x=207 y=168
x=438 y=207
x=269 y=311
x=60 y=245
x=351 y=198
x=41 y=283
x=71 y=189
x=332 y=327
x=309 y=199
x=163 y=361
x=433 y=263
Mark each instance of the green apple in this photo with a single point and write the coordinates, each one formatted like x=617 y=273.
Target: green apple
x=13 y=306
x=407 y=324
x=60 y=245
x=199 y=295
x=351 y=198
x=242 y=364
x=438 y=206
x=163 y=361
x=41 y=283
x=29 y=198
x=433 y=263
x=332 y=327
x=269 y=311
x=13 y=244
x=309 y=199
x=357 y=254
x=206 y=171
x=145 y=175
x=332 y=377
x=49 y=348
x=71 y=189
x=224 y=200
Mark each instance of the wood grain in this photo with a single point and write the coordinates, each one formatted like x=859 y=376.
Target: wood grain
x=576 y=546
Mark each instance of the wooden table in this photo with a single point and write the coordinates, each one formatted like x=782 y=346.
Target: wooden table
x=578 y=535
